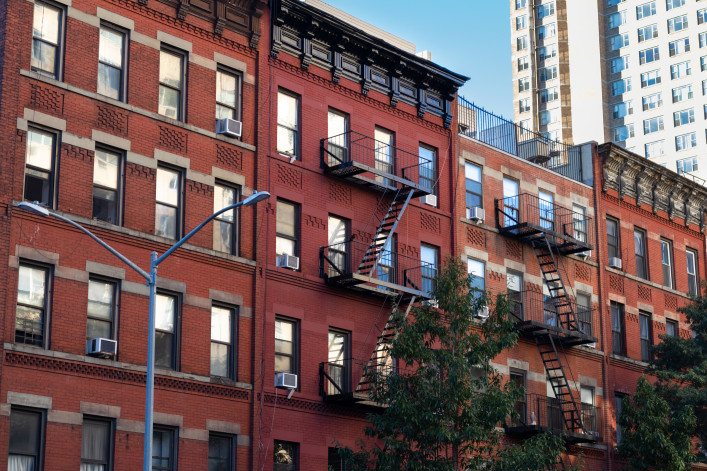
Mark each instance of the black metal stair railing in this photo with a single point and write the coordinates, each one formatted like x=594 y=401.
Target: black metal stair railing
x=352 y=378
x=532 y=307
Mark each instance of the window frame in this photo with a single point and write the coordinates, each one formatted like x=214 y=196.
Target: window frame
x=232 y=461
x=176 y=334
x=235 y=238
x=174 y=446
x=617 y=238
x=110 y=445
x=640 y=10
x=182 y=89
x=345 y=365
x=296 y=458
x=296 y=154
x=652 y=29
x=432 y=187
x=120 y=185
x=693 y=279
x=618 y=337
x=480 y=184
x=60 y=46
x=295 y=356
x=670 y=265
x=114 y=305
x=232 y=353
x=180 y=199
x=675 y=326
x=297 y=216
x=46 y=308
x=123 y=88
x=430 y=276
x=646 y=338
x=52 y=172
x=236 y=110
x=684 y=23
x=42 y=417
x=643 y=272
x=482 y=263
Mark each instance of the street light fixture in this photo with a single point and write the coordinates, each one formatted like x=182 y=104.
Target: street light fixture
x=151 y=279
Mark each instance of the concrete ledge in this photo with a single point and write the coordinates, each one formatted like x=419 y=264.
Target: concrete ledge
x=223 y=427
x=29 y=400
x=110 y=139
x=105 y=270
x=65 y=417
x=38 y=117
x=102 y=410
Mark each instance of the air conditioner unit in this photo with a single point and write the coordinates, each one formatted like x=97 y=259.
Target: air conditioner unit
x=101 y=347
x=615 y=262
x=229 y=127
x=585 y=255
x=429 y=199
x=288 y=261
x=285 y=381
x=535 y=150
x=482 y=314
x=476 y=214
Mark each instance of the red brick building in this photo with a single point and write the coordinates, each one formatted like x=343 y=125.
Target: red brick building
x=110 y=113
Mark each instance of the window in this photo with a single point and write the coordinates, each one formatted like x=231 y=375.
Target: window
x=514 y=288
x=428 y=168
x=338 y=142
x=670 y=4
x=547 y=52
x=548 y=95
x=648 y=55
x=549 y=116
x=546 y=31
x=639 y=242
x=622 y=109
x=679 y=46
x=681 y=118
x=693 y=286
x=524 y=85
x=704 y=91
x=510 y=202
x=579 y=222
x=644 y=323
x=618 y=406
x=338 y=361
x=685 y=141
x=671 y=328
x=617 y=19
x=647 y=32
x=223 y=334
x=429 y=256
x=107 y=177
x=287 y=228
x=26 y=438
x=651 y=78
x=666 y=252
x=584 y=313
x=653 y=101
x=703 y=63
x=645 y=10
x=624 y=132
x=32 y=305
x=477 y=273
x=227 y=94
x=338 y=245
x=611 y=3
x=652 y=125
x=226 y=224
x=547 y=73
x=523 y=105
x=546 y=10
x=618 y=41
x=96 y=444
x=618 y=64
x=164 y=456
x=617 y=328
x=676 y=24
x=524 y=125
x=682 y=93
x=655 y=149
x=47 y=34
x=166 y=330
x=612 y=237
x=286 y=456
x=682 y=69
x=620 y=87
x=288 y=124
x=385 y=153
x=168 y=213
x=522 y=63
x=474 y=191
x=701 y=16
x=521 y=4
x=111 y=60
x=688 y=165
x=100 y=321
x=521 y=22
x=286 y=345
x=553 y=135
x=172 y=83
x=589 y=412
x=40 y=166
x=547 y=210
x=521 y=43
x=222 y=456
x=703 y=39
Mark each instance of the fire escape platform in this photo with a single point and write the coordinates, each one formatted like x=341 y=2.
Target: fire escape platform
x=355 y=172
x=527 y=431
x=528 y=232
x=373 y=285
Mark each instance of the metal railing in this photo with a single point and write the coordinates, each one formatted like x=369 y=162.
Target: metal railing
x=348 y=258
x=532 y=306
x=382 y=157
x=536 y=410
x=345 y=377
x=549 y=217
x=509 y=137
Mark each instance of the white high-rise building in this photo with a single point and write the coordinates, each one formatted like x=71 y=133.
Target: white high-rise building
x=633 y=72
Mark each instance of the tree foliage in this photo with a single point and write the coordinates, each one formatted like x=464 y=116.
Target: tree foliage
x=445 y=404
x=653 y=437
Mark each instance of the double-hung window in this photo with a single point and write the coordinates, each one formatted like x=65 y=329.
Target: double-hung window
x=618 y=41
x=652 y=125
x=166 y=330
x=639 y=242
x=651 y=78
x=164 y=449
x=649 y=55
x=666 y=254
x=670 y=4
x=682 y=93
x=338 y=142
x=338 y=359
x=685 y=141
x=26 y=439
x=523 y=63
x=621 y=133
x=653 y=101
x=511 y=202
x=521 y=22
x=671 y=328
x=107 y=178
x=521 y=43
x=679 y=70
x=474 y=191
x=523 y=105
x=523 y=84
x=547 y=73
x=338 y=229
x=168 y=205
x=47 y=39
x=285 y=456
x=286 y=345
x=226 y=224
x=477 y=274
x=31 y=314
x=222 y=456
x=514 y=289
x=111 y=62
x=100 y=322
x=612 y=237
x=288 y=124
x=40 y=166
x=655 y=149
x=227 y=94
x=429 y=256
x=693 y=285
x=548 y=95
x=584 y=313
x=617 y=329
x=579 y=222
x=96 y=444
x=223 y=335
x=687 y=165
x=546 y=31
x=287 y=228
x=644 y=324
x=618 y=64
x=647 y=32
x=681 y=118
x=701 y=16
x=679 y=46
x=172 y=83
x=428 y=168
x=616 y=19
x=547 y=52
x=644 y=10
x=676 y=24
x=619 y=87
x=546 y=9
x=622 y=109
x=546 y=208
x=618 y=407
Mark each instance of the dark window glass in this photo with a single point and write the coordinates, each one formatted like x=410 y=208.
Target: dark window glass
x=671 y=328
x=111 y=60
x=221 y=453
x=287 y=230
x=107 y=169
x=666 y=254
x=223 y=333
x=26 y=427
x=584 y=313
x=164 y=449
x=617 y=328
x=612 y=237
x=172 y=78
x=639 y=241
x=168 y=203
x=286 y=345
x=692 y=280
x=40 y=165
x=31 y=311
x=644 y=323
x=226 y=224
x=227 y=94
x=166 y=328
x=46 y=39
x=618 y=406
x=101 y=309
x=96 y=445
x=286 y=456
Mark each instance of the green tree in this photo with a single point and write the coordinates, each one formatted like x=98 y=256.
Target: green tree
x=680 y=364
x=653 y=437
x=444 y=406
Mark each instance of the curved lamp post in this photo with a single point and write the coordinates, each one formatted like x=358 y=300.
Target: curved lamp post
x=151 y=279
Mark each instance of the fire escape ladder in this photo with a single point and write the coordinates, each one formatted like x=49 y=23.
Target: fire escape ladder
x=555 y=371
x=547 y=259
x=385 y=231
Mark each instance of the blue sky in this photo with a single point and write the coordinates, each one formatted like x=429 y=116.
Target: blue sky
x=471 y=37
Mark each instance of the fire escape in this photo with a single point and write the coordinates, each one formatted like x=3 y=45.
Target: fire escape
x=553 y=317
x=374 y=266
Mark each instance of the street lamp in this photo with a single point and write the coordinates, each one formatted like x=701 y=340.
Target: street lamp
x=151 y=279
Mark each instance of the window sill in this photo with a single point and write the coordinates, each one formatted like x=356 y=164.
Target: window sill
x=625 y=359
x=481 y=226
x=647 y=282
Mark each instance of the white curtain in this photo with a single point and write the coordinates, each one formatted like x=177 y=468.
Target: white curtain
x=92 y=467
x=20 y=463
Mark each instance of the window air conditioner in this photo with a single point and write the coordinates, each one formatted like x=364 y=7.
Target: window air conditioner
x=285 y=381
x=615 y=262
x=288 y=261
x=101 y=347
x=482 y=314
x=585 y=255
x=429 y=200
x=476 y=214
x=229 y=127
